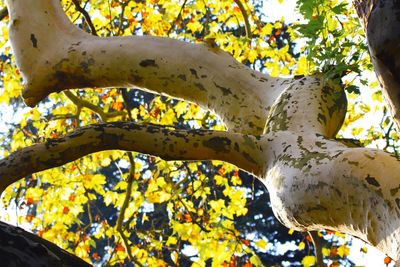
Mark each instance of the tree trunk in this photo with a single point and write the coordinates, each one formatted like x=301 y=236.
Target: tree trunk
x=21 y=248
x=382 y=28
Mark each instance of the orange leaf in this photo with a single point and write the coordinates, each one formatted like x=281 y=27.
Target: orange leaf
x=29 y=217
x=96 y=256
x=72 y=197
x=118 y=106
x=387 y=260
x=29 y=201
x=119 y=247
x=65 y=210
x=188 y=218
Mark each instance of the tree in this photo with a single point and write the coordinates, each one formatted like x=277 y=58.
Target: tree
x=281 y=130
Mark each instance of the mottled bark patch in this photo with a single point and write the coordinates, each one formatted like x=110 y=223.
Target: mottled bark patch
x=71 y=80
x=218 y=144
x=85 y=65
x=225 y=91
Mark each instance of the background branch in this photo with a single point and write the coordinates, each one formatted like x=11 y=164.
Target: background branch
x=3 y=13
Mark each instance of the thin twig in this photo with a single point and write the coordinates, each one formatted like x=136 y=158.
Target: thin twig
x=245 y=17
x=124 y=206
x=316 y=240
x=177 y=18
x=86 y=16
x=121 y=17
x=81 y=103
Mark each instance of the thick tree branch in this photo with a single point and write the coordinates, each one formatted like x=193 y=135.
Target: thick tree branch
x=381 y=24
x=241 y=150
x=21 y=248
x=318 y=183
x=54 y=55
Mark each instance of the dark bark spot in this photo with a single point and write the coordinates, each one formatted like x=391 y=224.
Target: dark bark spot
x=372 y=181
x=71 y=80
x=286 y=148
x=248 y=157
x=200 y=87
x=398 y=202
x=152 y=129
x=137 y=79
x=218 y=144
x=322 y=118
x=236 y=147
x=225 y=91
x=34 y=41
x=194 y=73
x=182 y=77
x=76 y=134
x=394 y=191
x=148 y=63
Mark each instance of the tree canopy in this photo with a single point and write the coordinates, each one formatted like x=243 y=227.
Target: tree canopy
x=114 y=207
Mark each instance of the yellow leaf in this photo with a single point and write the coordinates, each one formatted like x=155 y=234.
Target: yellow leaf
x=267 y=29
x=262 y=244
x=252 y=55
x=343 y=251
x=326 y=252
x=171 y=241
x=302 y=245
x=308 y=261
x=174 y=256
